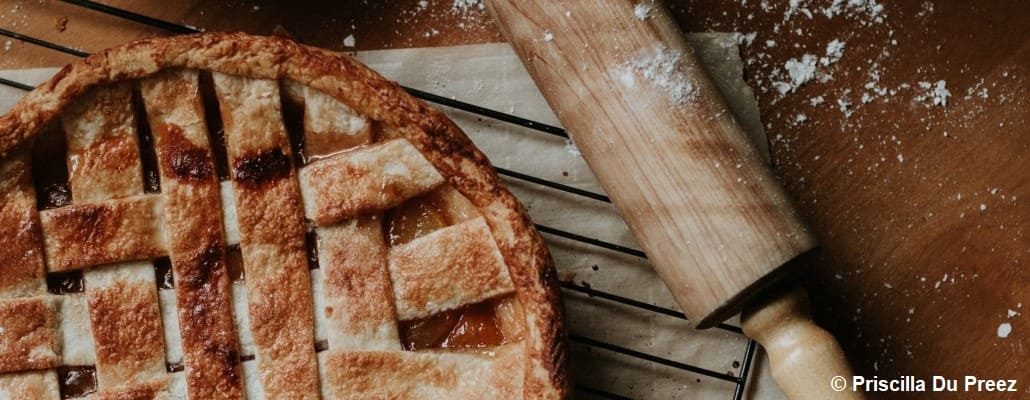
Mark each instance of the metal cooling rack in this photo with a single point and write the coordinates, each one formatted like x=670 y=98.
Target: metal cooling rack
x=740 y=380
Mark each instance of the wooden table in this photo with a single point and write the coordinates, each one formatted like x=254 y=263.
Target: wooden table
x=921 y=207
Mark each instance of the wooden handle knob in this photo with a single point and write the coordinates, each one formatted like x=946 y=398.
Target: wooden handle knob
x=806 y=360
x=697 y=195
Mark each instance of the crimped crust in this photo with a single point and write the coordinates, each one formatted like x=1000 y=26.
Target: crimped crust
x=438 y=139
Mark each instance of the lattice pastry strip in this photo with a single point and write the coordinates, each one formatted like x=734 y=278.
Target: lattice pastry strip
x=161 y=389
x=29 y=338
x=424 y=375
x=30 y=385
x=365 y=181
x=358 y=297
x=126 y=321
x=23 y=270
x=329 y=125
x=88 y=234
x=196 y=241
x=23 y=278
x=77 y=343
x=446 y=269
x=168 y=301
x=103 y=146
x=272 y=235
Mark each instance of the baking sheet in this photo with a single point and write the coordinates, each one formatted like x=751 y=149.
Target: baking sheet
x=490 y=75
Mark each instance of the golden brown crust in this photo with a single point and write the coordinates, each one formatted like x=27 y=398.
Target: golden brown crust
x=22 y=271
x=84 y=235
x=126 y=321
x=330 y=126
x=359 y=304
x=156 y=389
x=195 y=240
x=361 y=89
x=272 y=236
x=447 y=269
x=103 y=146
x=29 y=385
x=365 y=180
x=424 y=375
x=30 y=339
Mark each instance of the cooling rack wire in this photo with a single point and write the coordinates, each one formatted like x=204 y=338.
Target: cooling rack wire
x=739 y=379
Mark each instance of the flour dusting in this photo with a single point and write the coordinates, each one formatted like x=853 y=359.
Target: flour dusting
x=799 y=71
x=941 y=94
x=1004 y=330
x=465 y=5
x=660 y=67
x=834 y=51
x=642 y=11
x=571 y=148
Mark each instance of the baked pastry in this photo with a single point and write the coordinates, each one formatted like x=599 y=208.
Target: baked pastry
x=223 y=215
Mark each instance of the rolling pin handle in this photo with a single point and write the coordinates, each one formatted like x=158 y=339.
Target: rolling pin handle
x=806 y=360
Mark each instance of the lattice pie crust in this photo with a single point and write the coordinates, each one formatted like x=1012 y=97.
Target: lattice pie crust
x=228 y=216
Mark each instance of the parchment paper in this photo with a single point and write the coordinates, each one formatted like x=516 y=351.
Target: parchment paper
x=491 y=76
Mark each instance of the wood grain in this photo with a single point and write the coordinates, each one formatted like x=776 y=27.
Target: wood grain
x=858 y=206
x=695 y=192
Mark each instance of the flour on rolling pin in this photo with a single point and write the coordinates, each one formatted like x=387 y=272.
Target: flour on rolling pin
x=492 y=76
x=659 y=66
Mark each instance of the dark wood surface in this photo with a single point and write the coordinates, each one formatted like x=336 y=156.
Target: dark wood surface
x=921 y=208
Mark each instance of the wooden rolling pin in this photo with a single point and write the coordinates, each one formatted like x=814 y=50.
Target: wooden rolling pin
x=702 y=202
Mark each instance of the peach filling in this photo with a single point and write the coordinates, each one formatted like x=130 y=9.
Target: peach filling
x=470 y=326
x=485 y=324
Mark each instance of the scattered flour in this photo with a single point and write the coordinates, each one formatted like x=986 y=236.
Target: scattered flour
x=571 y=148
x=465 y=5
x=548 y=36
x=844 y=104
x=642 y=11
x=834 y=51
x=1004 y=329
x=7 y=46
x=795 y=7
x=349 y=41
x=869 y=8
x=941 y=94
x=935 y=94
x=801 y=71
x=746 y=39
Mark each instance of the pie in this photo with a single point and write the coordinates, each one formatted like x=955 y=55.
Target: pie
x=228 y=216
